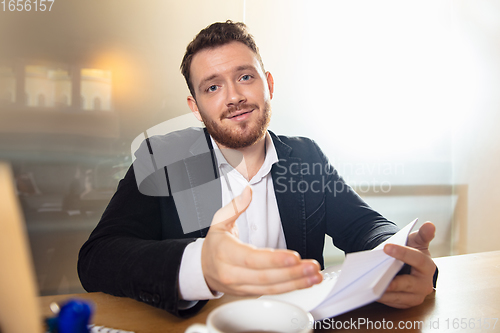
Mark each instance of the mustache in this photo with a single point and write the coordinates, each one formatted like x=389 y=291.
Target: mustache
x=234 y=108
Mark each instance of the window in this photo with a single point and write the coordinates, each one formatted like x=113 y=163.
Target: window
x=96 y=86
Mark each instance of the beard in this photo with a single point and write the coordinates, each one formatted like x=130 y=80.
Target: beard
x=243 y=134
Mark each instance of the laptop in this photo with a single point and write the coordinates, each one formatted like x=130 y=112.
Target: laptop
x=19 y=308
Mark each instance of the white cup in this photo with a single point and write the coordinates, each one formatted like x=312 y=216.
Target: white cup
x=260 y=315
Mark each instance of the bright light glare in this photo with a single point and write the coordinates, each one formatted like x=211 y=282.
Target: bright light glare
x=384 y=77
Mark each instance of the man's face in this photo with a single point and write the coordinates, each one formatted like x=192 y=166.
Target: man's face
x=232 y=94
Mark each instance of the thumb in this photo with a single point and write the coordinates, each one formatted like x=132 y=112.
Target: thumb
x=227 y=215
x=427 y=232
x=423 y=237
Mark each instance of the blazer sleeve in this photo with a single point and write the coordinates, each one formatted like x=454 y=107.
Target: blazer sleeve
x=127 y=255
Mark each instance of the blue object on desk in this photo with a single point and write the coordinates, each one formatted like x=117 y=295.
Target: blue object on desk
x=74 y=317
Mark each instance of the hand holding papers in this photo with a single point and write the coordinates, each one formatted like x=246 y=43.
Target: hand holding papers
x=361 y=279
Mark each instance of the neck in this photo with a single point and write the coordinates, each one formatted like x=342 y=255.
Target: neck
x=253 y=158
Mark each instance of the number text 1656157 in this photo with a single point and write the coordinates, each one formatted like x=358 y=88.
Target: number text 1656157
x=26 y=5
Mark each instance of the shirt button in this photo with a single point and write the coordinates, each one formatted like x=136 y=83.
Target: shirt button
x=254 y=227
x=145 y=297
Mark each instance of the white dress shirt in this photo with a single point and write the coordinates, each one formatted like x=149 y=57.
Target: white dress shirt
x=259 y=225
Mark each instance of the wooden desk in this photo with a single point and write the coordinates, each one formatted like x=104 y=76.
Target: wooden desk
x=468 y=287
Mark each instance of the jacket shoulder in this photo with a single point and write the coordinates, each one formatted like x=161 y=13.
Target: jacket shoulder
x=173 y=146
x=296 y=141
x=183 y=138
x=294 y=145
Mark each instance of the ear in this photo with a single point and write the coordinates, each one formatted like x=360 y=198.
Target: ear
x=194 y=107
x=270 y=83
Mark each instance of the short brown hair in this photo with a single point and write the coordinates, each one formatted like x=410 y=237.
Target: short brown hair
x=217 y=34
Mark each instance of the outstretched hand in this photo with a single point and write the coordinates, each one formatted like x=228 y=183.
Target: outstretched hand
x=232 y=267
x=411 y=289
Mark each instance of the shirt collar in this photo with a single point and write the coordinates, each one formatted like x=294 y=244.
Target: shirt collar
x=271 y=157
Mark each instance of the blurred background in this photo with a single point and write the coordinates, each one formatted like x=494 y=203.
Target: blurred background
x=403 y=97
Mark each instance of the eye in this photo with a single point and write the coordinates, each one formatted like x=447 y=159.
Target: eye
x=246 y=77
x=212 y=88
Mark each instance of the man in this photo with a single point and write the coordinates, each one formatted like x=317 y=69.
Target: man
x=154 y=243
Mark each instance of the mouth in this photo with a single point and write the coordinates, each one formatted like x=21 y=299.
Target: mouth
x=240 y=115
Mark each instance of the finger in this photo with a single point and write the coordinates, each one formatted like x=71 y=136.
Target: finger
x=245 y=255
x=410 y=284
x=278 y=288
x=230 y=212
x=401 y=283
x=422 y=237
x=413 y=257
x=249 y=276
x=401 y=300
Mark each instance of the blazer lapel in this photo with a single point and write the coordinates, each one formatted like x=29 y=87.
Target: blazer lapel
x=205 y=185
x=286 y=177
x=195 y=187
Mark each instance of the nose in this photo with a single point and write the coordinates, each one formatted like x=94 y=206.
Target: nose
x=235 y=95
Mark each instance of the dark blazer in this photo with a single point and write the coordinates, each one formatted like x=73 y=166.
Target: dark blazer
x=136 y=248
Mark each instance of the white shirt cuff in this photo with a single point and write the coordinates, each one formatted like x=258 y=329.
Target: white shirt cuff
x=192 y=284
